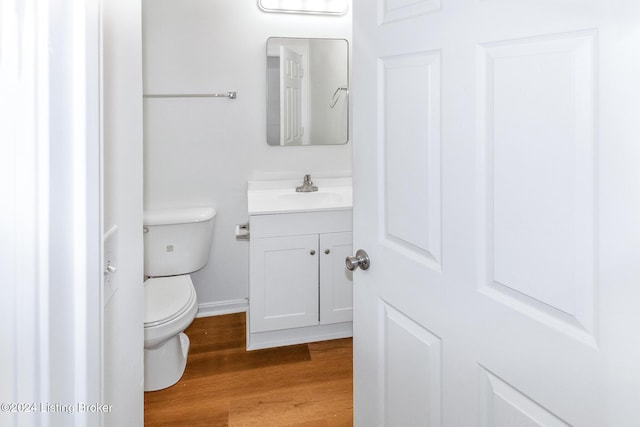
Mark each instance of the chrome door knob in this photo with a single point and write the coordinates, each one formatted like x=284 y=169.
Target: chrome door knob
x=360 y=260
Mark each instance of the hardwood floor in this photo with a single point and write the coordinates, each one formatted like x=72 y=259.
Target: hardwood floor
x=224 y=385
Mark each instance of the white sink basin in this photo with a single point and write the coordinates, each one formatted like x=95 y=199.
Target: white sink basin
x=268 y=197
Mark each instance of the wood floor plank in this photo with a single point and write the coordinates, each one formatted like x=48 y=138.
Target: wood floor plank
x=217 y=333
x=221 y=362
x=240 y=383
x=224 y=385
x=176 y=414
x=285 y=407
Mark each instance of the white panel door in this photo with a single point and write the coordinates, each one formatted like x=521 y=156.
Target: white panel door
x=291 y=74
x=284 y=282
x=497 y=192
x=336 y=282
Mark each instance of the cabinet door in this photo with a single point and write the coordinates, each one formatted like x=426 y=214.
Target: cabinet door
x=336 y=290
x=283 y=282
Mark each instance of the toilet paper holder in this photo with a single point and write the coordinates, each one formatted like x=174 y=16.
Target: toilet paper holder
x=242 y=231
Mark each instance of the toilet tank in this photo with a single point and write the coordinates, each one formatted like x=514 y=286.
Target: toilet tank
x=177 y=241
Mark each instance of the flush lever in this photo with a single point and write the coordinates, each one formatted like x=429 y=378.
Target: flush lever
x=360 y=260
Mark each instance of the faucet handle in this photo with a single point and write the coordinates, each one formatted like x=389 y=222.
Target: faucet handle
x=307 y=178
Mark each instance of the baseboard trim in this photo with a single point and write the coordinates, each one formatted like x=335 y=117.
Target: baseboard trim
x=222 y=307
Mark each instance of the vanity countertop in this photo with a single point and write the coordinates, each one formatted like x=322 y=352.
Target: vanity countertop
x=272 y=197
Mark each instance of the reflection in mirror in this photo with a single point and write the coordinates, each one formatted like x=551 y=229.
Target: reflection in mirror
x=307 y=91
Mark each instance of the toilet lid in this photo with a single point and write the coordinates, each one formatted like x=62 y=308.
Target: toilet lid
x=166 y=298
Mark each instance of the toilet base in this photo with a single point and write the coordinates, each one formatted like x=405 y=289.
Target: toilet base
x=165 y=364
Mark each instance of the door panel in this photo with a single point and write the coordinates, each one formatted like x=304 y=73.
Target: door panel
x=412 y=154
x=291 y=74
x=284 y=282
x=537 y=109
x=411 y=368
x=503 y=406
x=336 y=282
x=495 y=189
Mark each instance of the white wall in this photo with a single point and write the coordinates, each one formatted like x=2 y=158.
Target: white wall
x=122 y=186
x=202 y=151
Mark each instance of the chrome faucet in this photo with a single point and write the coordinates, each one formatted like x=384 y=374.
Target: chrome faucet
x=307 y=185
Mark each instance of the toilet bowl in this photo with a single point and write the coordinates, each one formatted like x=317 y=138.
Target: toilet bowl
x=170 y=307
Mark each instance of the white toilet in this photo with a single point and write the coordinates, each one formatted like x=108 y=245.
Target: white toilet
x=176 y=242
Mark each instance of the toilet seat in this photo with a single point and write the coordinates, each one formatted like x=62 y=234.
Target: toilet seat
x=166 y=298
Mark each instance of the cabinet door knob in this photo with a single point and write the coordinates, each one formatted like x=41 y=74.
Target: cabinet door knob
x=327 y=251
x=313 y=252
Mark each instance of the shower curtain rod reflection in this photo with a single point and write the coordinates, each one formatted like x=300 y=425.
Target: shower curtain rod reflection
x=337 y=95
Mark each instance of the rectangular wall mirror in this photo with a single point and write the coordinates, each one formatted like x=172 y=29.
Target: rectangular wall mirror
x=307 y=91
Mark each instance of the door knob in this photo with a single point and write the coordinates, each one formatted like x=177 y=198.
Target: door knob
x=360 y=260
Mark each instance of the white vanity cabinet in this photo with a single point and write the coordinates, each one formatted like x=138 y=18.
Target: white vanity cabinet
x=299 y=287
